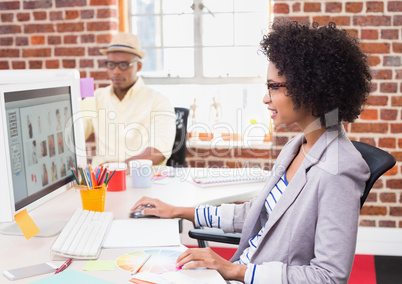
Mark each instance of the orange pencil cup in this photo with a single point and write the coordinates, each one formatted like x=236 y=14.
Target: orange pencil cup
x=93 y=199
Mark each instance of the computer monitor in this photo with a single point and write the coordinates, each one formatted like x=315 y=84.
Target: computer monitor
x=41 y=138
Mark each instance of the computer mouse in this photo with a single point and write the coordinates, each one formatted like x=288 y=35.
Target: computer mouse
x=137 y=213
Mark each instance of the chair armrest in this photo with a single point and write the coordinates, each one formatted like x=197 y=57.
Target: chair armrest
x=215 y=235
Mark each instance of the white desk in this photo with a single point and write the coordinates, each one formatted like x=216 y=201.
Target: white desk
x=16 y=251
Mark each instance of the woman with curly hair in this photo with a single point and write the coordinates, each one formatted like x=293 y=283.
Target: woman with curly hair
x=302 y=227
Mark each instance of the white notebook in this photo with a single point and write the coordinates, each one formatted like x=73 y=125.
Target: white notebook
x=224 y=176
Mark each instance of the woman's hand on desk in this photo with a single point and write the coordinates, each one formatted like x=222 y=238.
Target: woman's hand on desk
x=206 y=257
x=163 y=209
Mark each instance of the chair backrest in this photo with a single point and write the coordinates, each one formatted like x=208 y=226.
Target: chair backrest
x=378 y=161
x=178 y=157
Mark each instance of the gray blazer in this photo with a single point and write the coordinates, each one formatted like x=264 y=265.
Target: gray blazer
x=310 y=236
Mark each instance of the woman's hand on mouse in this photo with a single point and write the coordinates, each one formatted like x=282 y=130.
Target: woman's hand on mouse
x=164 y=210
x=158 y=208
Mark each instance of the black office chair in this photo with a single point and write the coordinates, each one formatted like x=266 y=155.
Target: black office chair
x=178 y=157
x=378 y=161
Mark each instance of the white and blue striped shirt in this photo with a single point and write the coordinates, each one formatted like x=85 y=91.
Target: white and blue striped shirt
x=210 y=216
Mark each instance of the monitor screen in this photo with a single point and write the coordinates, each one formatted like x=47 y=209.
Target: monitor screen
x=40 y=141
x=41 y=138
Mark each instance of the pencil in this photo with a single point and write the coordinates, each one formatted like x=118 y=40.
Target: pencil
x=75 y=176
x=82 y=175
x=98 y=175
x=141 y=264
x=88 y=177
x=95 y=183
x=102 y=175
x=110 y=177
x=107 y=174
x=92 y=176
x=85 y=178
x=74 y=171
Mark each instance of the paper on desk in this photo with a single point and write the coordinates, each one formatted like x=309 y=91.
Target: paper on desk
x=99 y=265
x=197 y=276
x=143 y=233
x=71 y=276
x=26 y=224
x=148 y=277
x=194 y=276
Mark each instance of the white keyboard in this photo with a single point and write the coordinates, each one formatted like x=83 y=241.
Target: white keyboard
x=83 y=235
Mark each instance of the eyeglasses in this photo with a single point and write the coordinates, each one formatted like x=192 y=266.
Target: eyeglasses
x=123 y=65
x=274 y=86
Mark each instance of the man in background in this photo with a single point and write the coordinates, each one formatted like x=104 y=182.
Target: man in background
x=130 y=120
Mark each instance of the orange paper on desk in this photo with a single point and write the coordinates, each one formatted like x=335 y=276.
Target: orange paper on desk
x=26 y=224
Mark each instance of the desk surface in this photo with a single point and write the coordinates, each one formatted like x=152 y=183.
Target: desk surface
x=16 y=251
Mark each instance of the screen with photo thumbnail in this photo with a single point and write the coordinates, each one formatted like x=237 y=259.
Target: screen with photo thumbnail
x=41 y=141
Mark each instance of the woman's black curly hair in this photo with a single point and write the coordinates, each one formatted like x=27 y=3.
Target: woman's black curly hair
x=324 y=68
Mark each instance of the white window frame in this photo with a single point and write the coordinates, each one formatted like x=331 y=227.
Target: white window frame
x=198 y=78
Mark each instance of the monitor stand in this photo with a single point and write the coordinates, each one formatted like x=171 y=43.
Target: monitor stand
x=47 y=228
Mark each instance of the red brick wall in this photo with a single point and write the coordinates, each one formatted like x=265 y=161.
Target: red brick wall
x=379 y=25
x=68 y=34
x=50 y=34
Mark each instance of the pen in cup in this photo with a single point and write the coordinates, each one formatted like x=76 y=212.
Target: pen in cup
x=138 y=267
x=64 y=266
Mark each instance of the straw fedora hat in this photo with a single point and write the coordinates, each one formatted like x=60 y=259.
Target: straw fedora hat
x=125 y=42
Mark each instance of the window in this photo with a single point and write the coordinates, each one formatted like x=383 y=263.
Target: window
x=205 y=51
x=201 y=38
